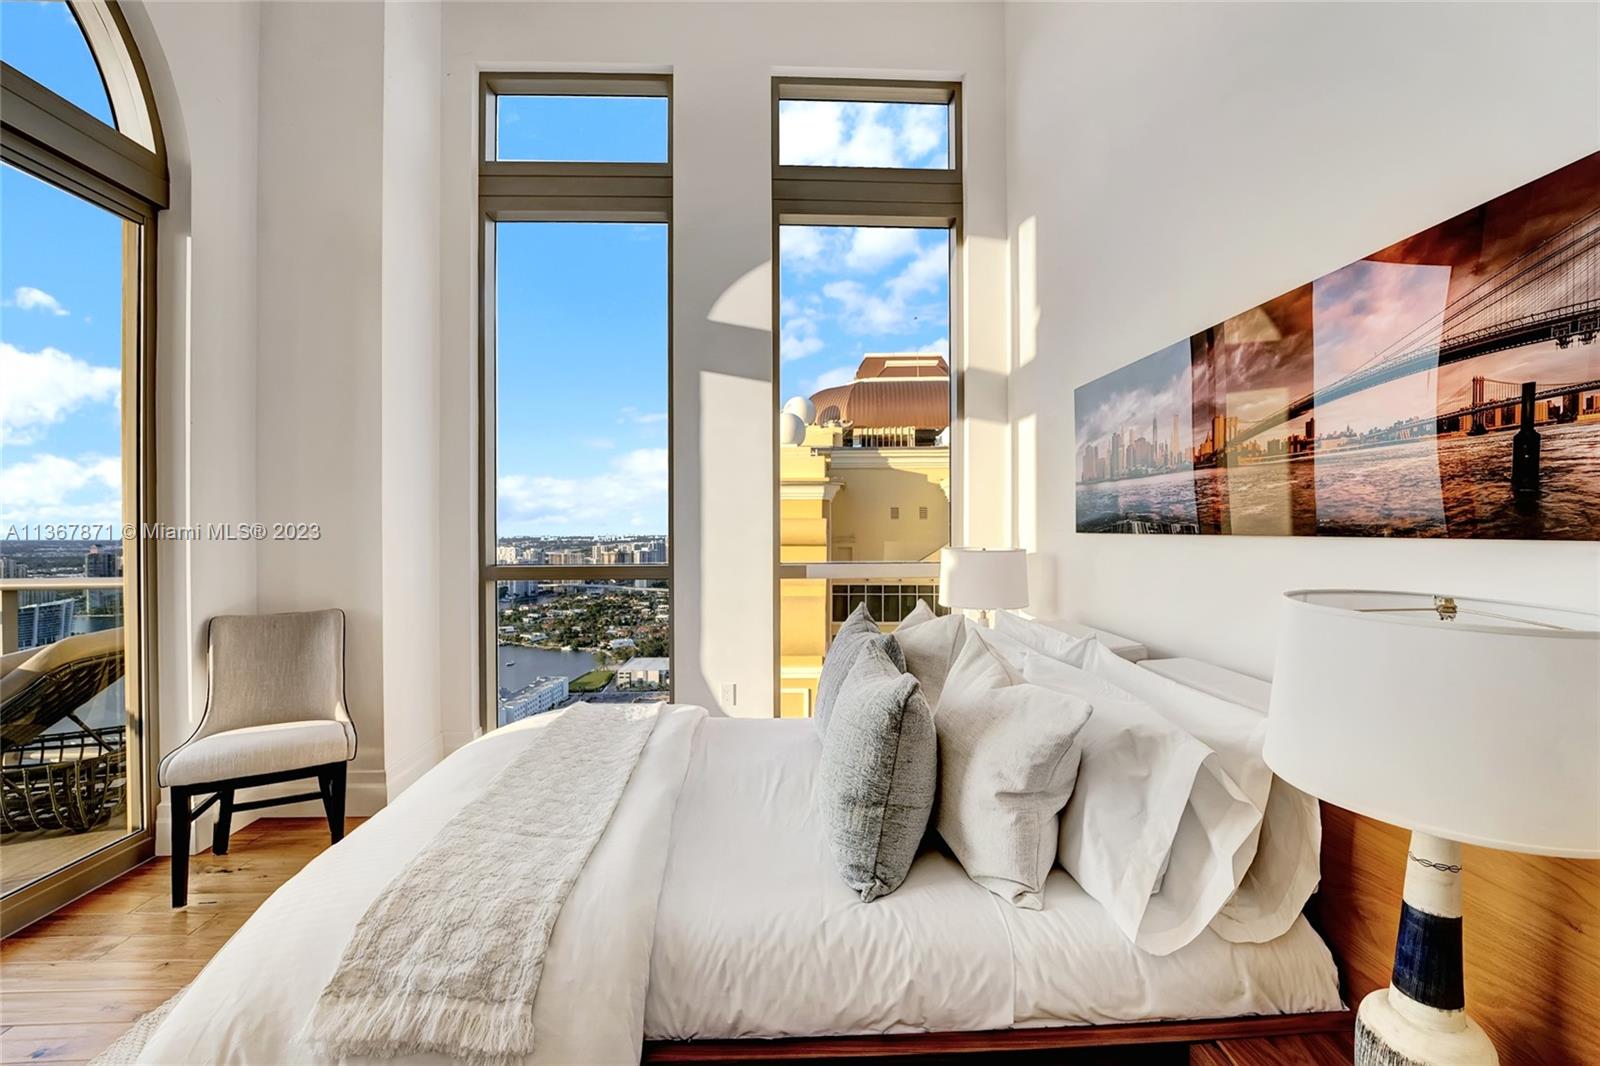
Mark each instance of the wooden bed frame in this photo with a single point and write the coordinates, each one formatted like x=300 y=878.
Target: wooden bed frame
x=1052 y=1038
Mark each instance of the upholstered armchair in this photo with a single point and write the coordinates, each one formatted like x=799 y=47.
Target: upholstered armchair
x=275 y=712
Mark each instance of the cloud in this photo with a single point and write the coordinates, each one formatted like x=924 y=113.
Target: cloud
x=797 y=337
x=602 y=444
x=53 y=488
x=43 y=387
x=28 y=298
x=631 y=414
x=892 y=309
x=938 y=347
x=849 y=134
x=874 y=247
x=839 y=375
x=635 y=485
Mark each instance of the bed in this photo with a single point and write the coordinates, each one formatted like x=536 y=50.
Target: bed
x=710 y=912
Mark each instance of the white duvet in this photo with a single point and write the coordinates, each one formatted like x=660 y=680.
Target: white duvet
x=710 y=909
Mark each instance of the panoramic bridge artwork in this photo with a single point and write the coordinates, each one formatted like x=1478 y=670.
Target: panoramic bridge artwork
x=1446 y=386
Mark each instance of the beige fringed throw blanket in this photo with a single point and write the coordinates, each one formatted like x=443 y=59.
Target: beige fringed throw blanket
x=448 y=957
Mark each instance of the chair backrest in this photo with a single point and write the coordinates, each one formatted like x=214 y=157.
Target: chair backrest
x=271 y=668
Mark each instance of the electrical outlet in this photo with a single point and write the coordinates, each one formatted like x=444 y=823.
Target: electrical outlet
x=730 y=694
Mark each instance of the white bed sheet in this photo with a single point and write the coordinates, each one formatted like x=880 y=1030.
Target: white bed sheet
x=251 y=1001
x=756 y=935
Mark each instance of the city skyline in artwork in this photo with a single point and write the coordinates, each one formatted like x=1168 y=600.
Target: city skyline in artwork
x=1445 y=386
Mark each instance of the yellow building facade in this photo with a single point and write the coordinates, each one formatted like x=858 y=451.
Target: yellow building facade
x=850 y=493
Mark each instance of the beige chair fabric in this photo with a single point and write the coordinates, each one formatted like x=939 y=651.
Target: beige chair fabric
x=275 y=699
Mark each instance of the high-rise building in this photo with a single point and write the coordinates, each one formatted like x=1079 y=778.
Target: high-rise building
x=103 y=562
x=45 y=623
x=505 y=554
x=12 y=568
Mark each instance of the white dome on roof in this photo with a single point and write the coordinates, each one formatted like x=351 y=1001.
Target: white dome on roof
x=801 y=408
x=791 y=428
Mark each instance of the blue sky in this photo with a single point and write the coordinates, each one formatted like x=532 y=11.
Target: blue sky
x=60 y=308
x=847 y=291
x=582 y=378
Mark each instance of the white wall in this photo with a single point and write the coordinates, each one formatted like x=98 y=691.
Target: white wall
x=410 y=434
x=319 y=382
x=202 y=60
x=1170 y=166
x=722 y=58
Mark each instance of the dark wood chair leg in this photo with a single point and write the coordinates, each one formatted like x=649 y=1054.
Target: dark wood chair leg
x=219 y=834
x=180 y=846
x=333 y=780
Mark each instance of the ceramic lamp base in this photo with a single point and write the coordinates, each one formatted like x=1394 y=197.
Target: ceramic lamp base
x=1421 y=1018
x=1387 y=1036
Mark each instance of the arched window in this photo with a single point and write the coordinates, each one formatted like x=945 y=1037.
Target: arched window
x=83 y=176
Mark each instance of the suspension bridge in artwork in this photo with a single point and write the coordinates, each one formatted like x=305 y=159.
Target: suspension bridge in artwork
x=1549 y=293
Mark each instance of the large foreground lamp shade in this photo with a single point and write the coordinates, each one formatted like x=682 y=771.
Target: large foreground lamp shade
x=983 y=579
x=1462 y=720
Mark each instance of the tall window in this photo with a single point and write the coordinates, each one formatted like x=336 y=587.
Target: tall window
x=867 y=203
x=82 y=178
x=575 y=191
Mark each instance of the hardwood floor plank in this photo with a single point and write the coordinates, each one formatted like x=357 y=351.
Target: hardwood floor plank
x=159 y=948
x=55 y=948
x=146 y=924
x=98 y=974
x=1321 y=1049
x=57 y=1043
x=79 y=1007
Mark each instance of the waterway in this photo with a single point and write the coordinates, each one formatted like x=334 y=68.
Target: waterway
x=1445 y=487
x=517 y=666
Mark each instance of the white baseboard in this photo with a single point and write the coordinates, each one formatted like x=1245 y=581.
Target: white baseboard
x=404 y=776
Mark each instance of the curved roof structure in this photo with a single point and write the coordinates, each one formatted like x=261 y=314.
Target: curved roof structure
x=911 y=389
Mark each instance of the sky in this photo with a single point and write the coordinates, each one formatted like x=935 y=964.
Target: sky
x=60 y=308
x=582 y=320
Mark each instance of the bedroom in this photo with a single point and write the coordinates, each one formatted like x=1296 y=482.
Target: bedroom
x=346 y=306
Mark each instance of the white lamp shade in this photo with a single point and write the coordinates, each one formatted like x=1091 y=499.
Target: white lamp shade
x=983 y=579
x=1484 y=728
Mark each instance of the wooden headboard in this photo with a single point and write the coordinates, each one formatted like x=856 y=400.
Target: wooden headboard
x=1531 y=930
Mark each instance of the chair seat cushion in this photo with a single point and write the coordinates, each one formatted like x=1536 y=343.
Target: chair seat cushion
x=257 y=749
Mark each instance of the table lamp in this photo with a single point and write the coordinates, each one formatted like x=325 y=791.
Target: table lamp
x=1463 y=720
x=983 y=579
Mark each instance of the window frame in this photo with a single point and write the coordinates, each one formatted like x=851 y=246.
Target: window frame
x=539 y=191
x=866 y=196
x=123 y=170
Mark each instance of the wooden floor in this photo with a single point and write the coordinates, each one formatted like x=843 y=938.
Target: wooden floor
x=72 y=983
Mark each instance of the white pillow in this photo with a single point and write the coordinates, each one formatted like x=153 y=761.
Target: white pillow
x=1277 y=869
x=930 y=643
x=1046 y=640
x=1287 y=866
x=1155 y=823
x=1008 y=758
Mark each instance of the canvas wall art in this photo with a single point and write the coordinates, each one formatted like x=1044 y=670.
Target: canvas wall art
x=1446 y=386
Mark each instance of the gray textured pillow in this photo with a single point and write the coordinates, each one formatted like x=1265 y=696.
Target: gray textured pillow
x=1008 y=760
x=857 y=629
x=879 y=768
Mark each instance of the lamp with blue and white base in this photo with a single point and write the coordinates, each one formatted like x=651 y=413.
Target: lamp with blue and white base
x=1464 y=720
